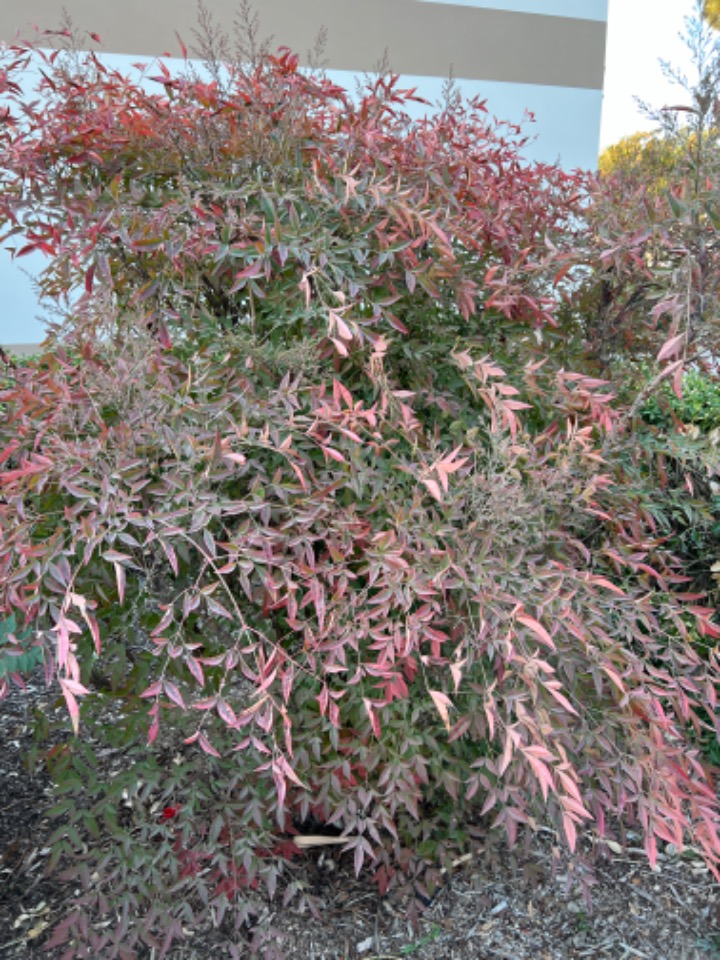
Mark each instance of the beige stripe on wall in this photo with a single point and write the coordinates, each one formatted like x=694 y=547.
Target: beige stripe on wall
x=421 y=39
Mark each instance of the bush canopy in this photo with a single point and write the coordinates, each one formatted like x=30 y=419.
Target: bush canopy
x=303 y=486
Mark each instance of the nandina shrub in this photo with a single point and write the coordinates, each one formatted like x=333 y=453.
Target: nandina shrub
x=303 y=513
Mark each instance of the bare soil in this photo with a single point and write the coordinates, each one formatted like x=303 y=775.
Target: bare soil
x=505 y=905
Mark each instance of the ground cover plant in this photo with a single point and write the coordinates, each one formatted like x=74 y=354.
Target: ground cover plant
x=303 y=508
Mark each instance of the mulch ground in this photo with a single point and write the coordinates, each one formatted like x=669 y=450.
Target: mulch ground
x=506 y=905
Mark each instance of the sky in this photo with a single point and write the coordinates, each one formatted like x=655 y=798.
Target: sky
x=639 y=32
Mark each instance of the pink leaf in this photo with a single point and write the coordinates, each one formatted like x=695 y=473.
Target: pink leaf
x=489 y=708
x=542 y=772
x=120 y=576
x=442 y=704
x=374 y=720
x=340 y=347
x=173 y=693
x=95 y=631
x=164 y=336
x=206 y=746
x=604 y=582
x=506 y=757
x=114 y=556
x=537 y=628
x=195 y=668
x=74 y=686
x=456 y=671
x=280 y=788
x=183 y=48
x=433 y=487
x=171 y=555
x=333 y=454
x=570 y=831
x=153 y=730
x=671 y=347
x=552 y=688
x=72 y=705
x=218 y=609
x=299 y=475
x=337 y=322
x=226 y=713
x=651 y=849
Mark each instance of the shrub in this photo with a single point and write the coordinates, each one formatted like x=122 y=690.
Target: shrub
x=680 y=436
x=697 y=406
x=300 y=499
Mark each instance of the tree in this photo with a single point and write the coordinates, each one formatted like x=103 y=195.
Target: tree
x=711 y=12
x=302 y=486
x=643 y=159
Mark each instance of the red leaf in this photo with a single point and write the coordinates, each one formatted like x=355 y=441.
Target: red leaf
x=253 y=269
x=561 y=272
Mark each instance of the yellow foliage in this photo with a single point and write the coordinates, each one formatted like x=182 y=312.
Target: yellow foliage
x=711 y=12
x=646 y=158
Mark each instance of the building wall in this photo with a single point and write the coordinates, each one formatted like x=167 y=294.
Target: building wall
x=542 y=56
